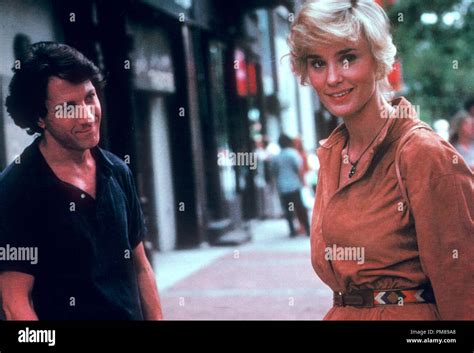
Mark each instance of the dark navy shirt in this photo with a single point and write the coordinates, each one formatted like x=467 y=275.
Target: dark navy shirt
x=84 y=266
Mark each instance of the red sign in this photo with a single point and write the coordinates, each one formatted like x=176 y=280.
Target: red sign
x=245 y=74
x=395 y=76
x=240 y=67
x=252 y=79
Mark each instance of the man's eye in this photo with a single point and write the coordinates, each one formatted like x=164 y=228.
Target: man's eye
x=91 y=95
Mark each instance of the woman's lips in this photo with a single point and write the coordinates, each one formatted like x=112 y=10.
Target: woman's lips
x=340 y=96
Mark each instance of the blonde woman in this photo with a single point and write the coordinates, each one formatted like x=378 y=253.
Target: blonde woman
x=392 y=229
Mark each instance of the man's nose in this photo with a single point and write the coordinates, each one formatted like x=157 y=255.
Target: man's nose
x=333 y=74
x=88 y=113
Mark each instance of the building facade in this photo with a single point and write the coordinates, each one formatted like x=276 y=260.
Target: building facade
x=192 y=87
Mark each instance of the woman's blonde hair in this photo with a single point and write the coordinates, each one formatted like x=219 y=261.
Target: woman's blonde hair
x=327 y=21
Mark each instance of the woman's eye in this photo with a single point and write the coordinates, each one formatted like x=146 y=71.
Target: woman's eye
x=317 y=64
x=347 y=59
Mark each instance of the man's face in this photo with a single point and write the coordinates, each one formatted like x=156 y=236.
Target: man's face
x=344 y=75
x=74 y=114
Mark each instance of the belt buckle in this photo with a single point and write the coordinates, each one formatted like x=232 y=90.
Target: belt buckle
x=360 y=298
x=338 y=299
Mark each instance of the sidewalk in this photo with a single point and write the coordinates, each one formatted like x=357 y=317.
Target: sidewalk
x=270 y=278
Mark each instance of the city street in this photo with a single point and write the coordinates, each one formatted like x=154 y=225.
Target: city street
x=269 y=278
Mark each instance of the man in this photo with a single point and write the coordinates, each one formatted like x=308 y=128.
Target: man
x=69 y=202
x=286 y=169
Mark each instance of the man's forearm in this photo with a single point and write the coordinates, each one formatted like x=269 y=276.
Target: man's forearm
x=149 y=296
x=20 y=312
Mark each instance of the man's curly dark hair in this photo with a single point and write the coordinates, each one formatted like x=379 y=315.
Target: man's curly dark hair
x=26 y=102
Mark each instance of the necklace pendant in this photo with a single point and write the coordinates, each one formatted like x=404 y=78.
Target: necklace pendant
x=352 y=172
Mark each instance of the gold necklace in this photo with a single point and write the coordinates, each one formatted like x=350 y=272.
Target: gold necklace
x=354 y=165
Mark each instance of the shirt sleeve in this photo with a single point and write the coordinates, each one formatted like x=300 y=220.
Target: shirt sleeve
x=440 y=190
x=19 y=250
x=137 y=228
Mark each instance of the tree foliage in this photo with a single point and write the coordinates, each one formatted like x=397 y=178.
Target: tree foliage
x=437 y=59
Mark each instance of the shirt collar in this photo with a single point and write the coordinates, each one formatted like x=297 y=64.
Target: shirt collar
x=44 y=175
x=102 y=159
x=404 y=114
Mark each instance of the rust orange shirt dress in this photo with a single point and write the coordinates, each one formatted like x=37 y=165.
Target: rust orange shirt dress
x=431 y=245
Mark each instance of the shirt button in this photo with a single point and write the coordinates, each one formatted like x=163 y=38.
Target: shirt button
x=83 y=196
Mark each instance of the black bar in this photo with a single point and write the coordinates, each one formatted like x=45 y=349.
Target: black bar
x=243 y=335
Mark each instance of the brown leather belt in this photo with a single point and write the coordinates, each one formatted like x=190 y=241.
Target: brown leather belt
x=369 y=298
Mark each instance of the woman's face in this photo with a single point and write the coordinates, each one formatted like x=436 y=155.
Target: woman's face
x=344 y=76
x=467 y=128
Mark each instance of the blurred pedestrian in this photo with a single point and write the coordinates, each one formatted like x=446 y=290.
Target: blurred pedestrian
x=306 y=194
x=285 y=168
x=384 y=235
x=272 y=207
x=298 y=143
x=469 y=106
x=462 y=136
x=71 y=202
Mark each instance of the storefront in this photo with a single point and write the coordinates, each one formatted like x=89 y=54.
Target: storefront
x=20 y=25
